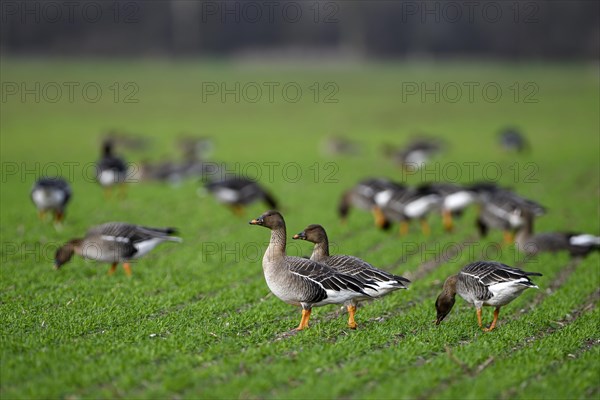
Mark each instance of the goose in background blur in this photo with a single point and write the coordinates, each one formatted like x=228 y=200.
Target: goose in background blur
x=503 y=209
x=512 y=140
x=454 y=199
x=239 y=192
x=51 y=195
x=127 y=140
x=339 y=145
x=362 y=196
x=577 y=244
x=415 y=154
x=111 y=170
x=402 y=204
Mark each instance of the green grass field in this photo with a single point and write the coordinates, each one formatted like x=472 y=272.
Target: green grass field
x=196 y=320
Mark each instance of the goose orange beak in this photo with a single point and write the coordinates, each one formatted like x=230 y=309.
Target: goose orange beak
x=300 y=235
x=256 y=221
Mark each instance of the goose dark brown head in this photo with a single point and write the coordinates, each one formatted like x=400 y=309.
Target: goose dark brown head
x=271 y=219
x=65 y=253
x=446 y=299
x=313 y=233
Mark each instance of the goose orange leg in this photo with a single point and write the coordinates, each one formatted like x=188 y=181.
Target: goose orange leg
x=351 y=322
x=425 y=227
x=379 y=217
x=493 y=325
x=304 y=320
x=508 y=237
x=447 y=221
x=127 y=269
x=112 y=269
x=479 y=317
x=238 y=210
x=403 y=228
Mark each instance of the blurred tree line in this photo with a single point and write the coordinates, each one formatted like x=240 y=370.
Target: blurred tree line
x=382 y=29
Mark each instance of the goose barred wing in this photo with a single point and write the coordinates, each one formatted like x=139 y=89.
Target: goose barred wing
x=491 y=273
x=328 y=278
x=361 y=269
x=129 y=233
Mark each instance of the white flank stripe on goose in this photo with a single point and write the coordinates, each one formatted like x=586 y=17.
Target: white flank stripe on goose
x=585 y=240
x=382 y=198
x=145 y=246
x=421 y=206
x=120 y=239
x=227 y=195
x=458 y=200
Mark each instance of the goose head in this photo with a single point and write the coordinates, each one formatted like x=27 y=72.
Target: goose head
x=446 y=299
x=313 y=233
x=65 y=253
x=271 y=219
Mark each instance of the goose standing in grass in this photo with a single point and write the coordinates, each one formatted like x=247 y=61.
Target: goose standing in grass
x=403 y=204
x=111 y=170
x=512 y=140
x=362 y=196
x=454 y=199
x=577 y=244
x=239 y=192
x=503 y=209
x=302 y=282
x=415 y=154
x=354 y=266
x=483 y=283
x=115 y=242
x=51 y=194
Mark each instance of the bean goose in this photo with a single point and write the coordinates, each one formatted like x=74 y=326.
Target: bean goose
x=454 y=199
x=239 y=192
x=512 y=140
x=362 y=196
x=503 y=209
x=51 y=194
x=402 y=204
x=110 y=169
x=483 y=283
x=115 y=242
x=415 y=154
x=302 y=282
x=577 y=244
x=354 y=266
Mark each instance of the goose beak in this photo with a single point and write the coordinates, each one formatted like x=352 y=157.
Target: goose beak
x=300 y=235
x=256 y=221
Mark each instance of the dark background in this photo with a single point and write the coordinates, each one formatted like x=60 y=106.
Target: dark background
x=360 y=29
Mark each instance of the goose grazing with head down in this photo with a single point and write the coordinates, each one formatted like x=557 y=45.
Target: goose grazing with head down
x=454 y=199
x=362 y=196
x=51 y=194
x=402 y=204
x=303 y=282
x=354 y=266
x=115 y=242
x=577 y=244
x=239 y=192
x=483 y=283
x=503 y=209
x=111 y=170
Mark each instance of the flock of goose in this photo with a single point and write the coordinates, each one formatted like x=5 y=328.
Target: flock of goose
x=337 y=279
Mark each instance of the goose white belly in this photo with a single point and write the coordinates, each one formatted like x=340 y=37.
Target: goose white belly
x=146 y=246
x=45 y=199
x=109 y=177
x=226 y=195
x=458 y=201
x=505 y=292
x=421 y=206
x=584 y=239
